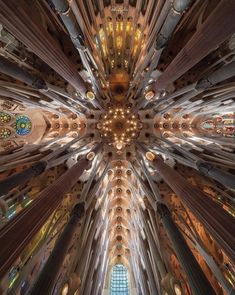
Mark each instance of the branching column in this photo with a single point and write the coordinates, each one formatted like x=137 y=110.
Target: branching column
x=11 y=69
x=218 y=222
x=223 y=177
x=22 y=177
x=156 y=255
x=149 y=270
x=18 y=232
x=196 y=278
x=21 y=20
x=47 y=278
x=82 y=262
x=217 y=28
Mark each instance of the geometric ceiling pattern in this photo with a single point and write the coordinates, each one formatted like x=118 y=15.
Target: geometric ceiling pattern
x=117 y=140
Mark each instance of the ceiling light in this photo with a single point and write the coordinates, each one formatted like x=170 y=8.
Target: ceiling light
x=90 y=156
x=150 y=156
x=90 y=95
x=65 y=289
x=149 y=95
x=119 y=146
x=177 y=289
x=120 y=127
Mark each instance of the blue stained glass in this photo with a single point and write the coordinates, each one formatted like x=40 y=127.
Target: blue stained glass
x=119 y=280
x=23 y=125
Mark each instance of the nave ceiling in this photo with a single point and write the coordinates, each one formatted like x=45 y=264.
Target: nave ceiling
x=117 y=147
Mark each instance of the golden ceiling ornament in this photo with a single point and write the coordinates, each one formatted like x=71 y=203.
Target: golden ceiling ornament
x=90 y=156
x=150 y=156
x=90 y=95
x=149 y=95
x=119 y=127
x=119 y=83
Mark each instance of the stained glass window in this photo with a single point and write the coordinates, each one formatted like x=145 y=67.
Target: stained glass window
x=119 y=280
x=4 y=117
x=23 y=125
x=5 y=133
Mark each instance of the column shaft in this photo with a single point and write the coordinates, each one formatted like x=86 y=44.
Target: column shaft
x=157 y=257
x=20 y=19
x=22 y=177
x=13 y=70
x=48 y=276
x=18 y=232
x=196 y=278
x=149 y=270
x=223 y=177
x=217 y=28
x=218 y=222
x=223 y=73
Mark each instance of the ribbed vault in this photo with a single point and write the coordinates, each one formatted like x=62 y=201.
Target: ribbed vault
x=117 y=147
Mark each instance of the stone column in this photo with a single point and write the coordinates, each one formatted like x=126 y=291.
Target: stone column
x=204 y=167
x=89 y=279
x=37 y=168
x=223 y=73
x=196 y=278
x=48 y=276
x=19 y=18
x=156 y=255
x=223 y=177
x=18 y=232
x=217 y=28
x=173 y=17
x=218 y=222
x=12 y=69
x=22 y=177
x=83 y=258
x=99 y=280
x=143 y=284
x=144 y=254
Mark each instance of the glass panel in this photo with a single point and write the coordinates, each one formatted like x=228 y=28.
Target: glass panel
x=119 y=280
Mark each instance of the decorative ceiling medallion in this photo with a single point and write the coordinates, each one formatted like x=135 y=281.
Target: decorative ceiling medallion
x=119 y=127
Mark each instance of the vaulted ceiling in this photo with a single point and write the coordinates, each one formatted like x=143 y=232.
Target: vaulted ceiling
x=117 y=131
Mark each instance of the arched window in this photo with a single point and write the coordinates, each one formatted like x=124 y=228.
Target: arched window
x=119 y=280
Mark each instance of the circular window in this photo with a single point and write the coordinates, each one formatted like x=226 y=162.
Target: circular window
x=166 y=116
x=129 y=172
x=119 y=228
x=175 y=125
x=119 y=219
x=4 y=117
x=55 y=116
x=23 y=125
x=156 y=125
x=74 y=126
x=5 y=133
x=119 y=181
x=184 y=126
x=166 y=126
x=119 y=238
x=119 y=209
x=119 y=172
x=118 y=191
